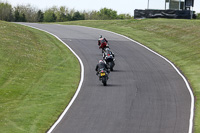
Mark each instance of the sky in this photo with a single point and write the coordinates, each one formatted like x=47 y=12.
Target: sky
x=121 y=6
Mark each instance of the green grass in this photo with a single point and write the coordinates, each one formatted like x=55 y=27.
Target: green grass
x=38 y=77
x=177 y=40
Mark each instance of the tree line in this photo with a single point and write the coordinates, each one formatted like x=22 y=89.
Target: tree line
x=27 y=13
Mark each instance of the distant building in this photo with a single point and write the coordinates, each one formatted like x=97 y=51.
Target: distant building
x=179 y=4
x=175 y=9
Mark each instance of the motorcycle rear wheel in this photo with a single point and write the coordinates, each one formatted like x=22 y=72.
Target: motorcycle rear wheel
x=104 y=81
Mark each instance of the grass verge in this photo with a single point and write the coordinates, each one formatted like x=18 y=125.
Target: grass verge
x=38 y=77
x=177 y=40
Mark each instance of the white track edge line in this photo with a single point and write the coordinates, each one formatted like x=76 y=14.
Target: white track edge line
x=80 y=83
x=183 y=77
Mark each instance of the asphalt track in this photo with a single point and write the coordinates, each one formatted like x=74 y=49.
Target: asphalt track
x=144 y=94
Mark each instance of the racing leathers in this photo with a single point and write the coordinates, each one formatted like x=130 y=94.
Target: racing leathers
x=100 y=66
x=103 y=43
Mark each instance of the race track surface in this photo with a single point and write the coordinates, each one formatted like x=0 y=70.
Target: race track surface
x=144 y=94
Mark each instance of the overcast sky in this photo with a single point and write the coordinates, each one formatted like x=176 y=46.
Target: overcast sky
x=121 y=6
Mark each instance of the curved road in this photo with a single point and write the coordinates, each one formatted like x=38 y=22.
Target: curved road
x=144 y=94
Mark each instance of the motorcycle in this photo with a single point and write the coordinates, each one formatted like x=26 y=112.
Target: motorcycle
x=110 y=63
x=103 y=76
x=109 y=59
x=103 y=49
x=106 y=45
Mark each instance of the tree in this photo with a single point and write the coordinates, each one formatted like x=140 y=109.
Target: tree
x=62 y=14
x=69 y=17
x=6 y=12
x=86 y=15
x=23 y=17
x=49 y=16
x=78 y=16
x=94 y=15
x=40 y=16
x=71 y=12
x=54 y=17
x=17 y=16
x=29 y=12
x=106 y=13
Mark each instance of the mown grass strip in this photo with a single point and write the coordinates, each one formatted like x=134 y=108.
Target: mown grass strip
x=38 y=77
x=177 y=40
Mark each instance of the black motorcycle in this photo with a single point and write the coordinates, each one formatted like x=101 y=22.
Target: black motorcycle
x=109 y=59
x=103 y=50
x=103 y=76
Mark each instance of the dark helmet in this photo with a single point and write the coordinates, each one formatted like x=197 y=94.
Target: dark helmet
x=100 y=36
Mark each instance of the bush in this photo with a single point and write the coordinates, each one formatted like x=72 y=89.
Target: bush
x=124 y=16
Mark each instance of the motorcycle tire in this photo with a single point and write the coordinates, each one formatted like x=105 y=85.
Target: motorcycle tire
x=111 y=69
x=111 y=65
x=104 y=81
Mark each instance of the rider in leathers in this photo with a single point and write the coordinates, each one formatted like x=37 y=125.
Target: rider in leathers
x=108 y=52
x=101 y=65
x=102 y=42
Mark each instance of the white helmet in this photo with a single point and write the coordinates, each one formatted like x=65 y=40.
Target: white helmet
x=107 y=49
x=100 y=61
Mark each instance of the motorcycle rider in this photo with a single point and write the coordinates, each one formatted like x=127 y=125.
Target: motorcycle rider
x=102 y=42
x=101 y=65
x=108 y=57
x=108 y=52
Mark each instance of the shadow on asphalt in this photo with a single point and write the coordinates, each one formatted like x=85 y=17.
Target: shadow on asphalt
x=110 y=85
x=119 y=70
